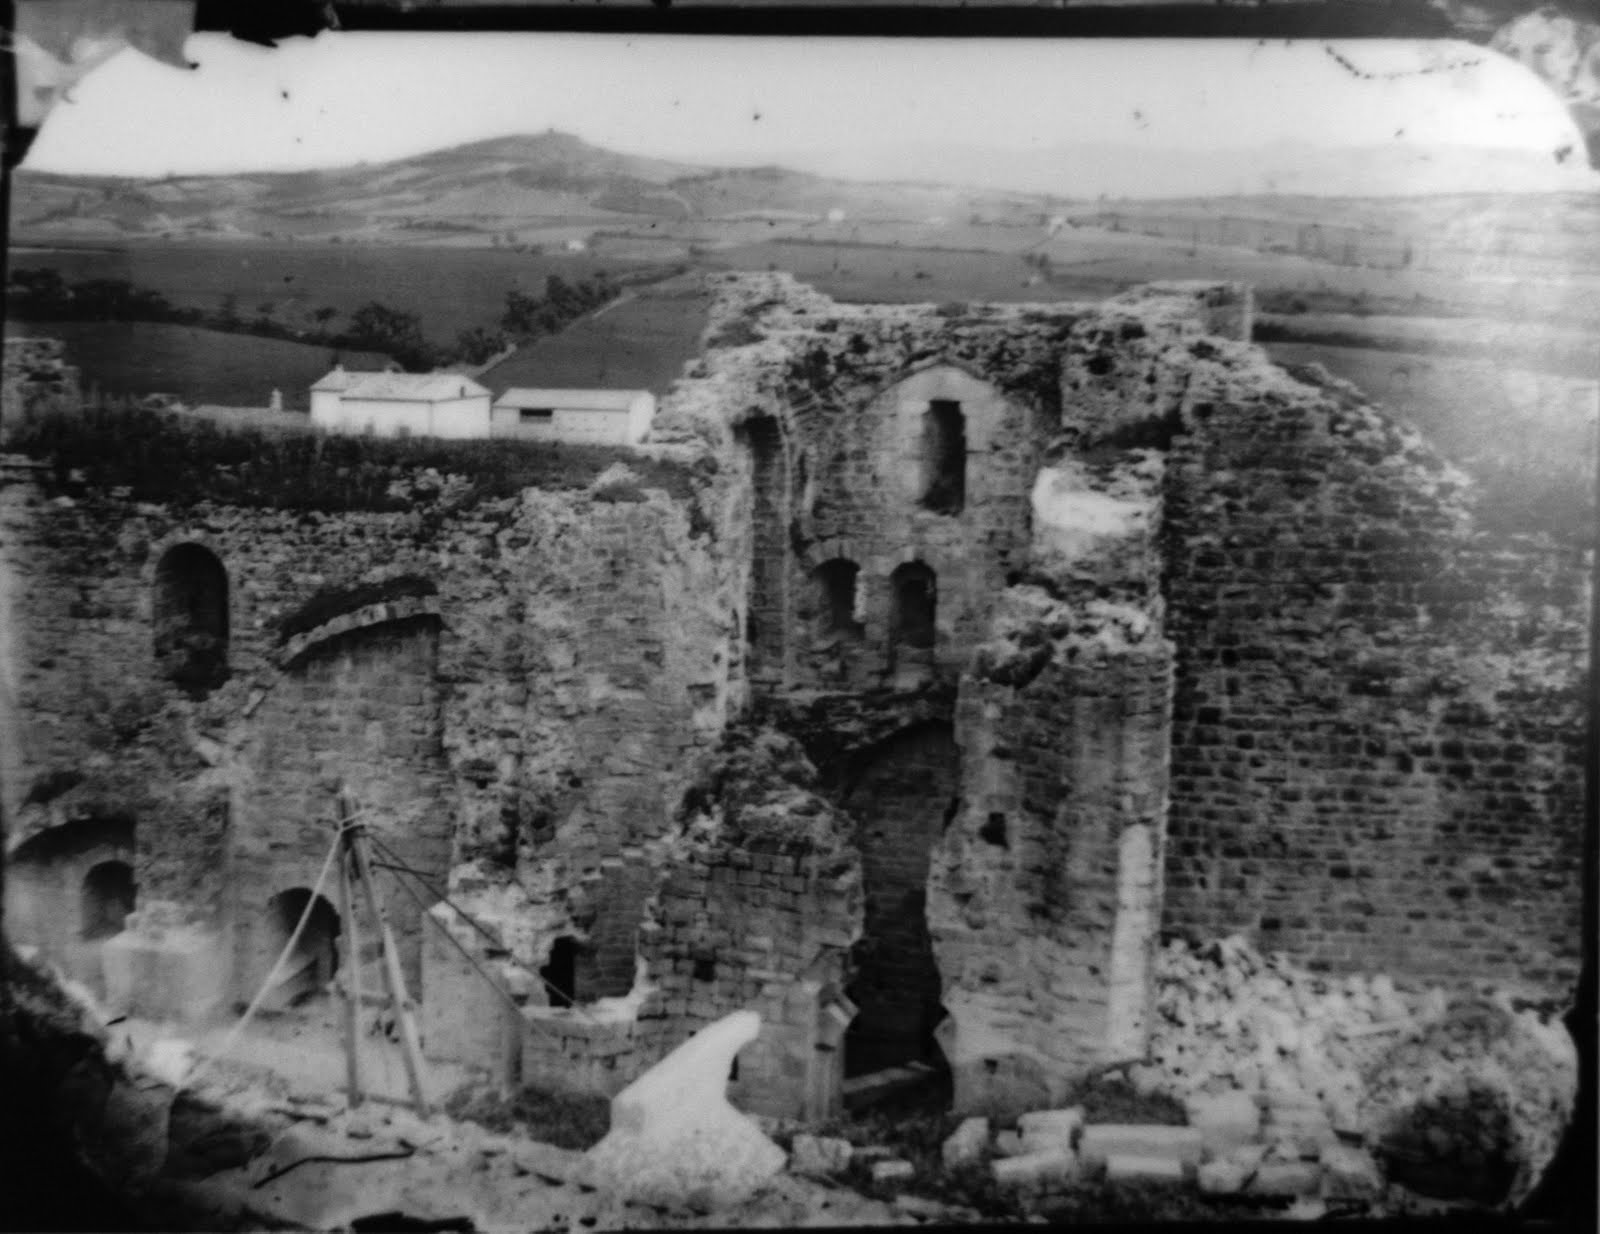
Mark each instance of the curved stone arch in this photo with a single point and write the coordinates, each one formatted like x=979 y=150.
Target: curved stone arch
x=940 y=423
x=45 y=877
x=925 y=366
x=159 y=548
x=405 y=608
x=189 y=593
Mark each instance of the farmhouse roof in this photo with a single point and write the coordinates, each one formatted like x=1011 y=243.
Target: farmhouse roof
x=572 y=400
x=410 y=387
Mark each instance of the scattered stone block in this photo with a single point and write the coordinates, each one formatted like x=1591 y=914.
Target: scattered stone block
x=1309 y=1131
x=1044 y=1129
x=1036 y=1171
x=674 y=1138
x=1009 y=1144
x=1102 y=1140
x=1129 y=1168
x=1221 y=1177
x=966 y=1145
x=1350 y=1174
x=1285 y=1179
x=1225 y=1121
x=894 y=1170
x=819 y=1154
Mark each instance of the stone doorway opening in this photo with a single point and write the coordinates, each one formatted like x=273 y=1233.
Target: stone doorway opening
x=305 y=975
x=106 y=899
x=900 y=795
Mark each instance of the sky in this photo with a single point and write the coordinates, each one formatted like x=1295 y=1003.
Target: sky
x=831 y=105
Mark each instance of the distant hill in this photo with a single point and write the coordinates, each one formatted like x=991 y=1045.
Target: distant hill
x=500 y=185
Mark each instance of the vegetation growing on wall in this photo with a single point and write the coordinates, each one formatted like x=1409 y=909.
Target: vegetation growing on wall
x=168 y=458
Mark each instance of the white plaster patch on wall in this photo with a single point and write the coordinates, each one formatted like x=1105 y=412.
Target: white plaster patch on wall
x=1071 y=520
x=1132 y=940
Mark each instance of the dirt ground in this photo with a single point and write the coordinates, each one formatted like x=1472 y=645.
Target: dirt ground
x=333 y=1167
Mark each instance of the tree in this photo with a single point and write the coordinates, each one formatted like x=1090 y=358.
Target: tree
x=477 y=345
x=377 y=327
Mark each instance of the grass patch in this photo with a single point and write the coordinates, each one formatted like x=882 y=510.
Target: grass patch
x=135 y=358
x=177 y=460
x=568 y=1120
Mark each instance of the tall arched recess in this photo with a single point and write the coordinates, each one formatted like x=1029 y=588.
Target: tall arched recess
x=191 y=618
x=767 y=615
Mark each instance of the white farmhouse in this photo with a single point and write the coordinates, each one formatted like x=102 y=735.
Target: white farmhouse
x=595 y=417
x=393 y=404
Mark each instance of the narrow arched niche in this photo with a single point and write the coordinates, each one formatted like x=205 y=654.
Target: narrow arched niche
x=944 y=457
x=838 y=598
x=191 y=618
x=913 y=608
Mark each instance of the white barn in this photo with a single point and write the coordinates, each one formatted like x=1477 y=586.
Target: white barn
x=393 y=404
x=592 y=417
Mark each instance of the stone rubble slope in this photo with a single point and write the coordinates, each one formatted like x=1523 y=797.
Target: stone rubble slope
x=1470 y=1083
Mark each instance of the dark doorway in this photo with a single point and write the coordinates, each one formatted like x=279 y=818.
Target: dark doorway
x=561 y=973
x=836 y=598
x=899 y=797
x=108 y=898
x=315 y=958
x=913 y=607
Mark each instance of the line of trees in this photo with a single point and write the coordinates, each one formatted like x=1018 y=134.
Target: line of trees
x=42 y=294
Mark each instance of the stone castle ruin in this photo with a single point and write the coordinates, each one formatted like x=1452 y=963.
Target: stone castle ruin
x=993 y=646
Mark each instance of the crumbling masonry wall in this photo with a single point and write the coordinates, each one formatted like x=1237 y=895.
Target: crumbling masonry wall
x=579 y=650
x=360 y=712
x=1378 y=719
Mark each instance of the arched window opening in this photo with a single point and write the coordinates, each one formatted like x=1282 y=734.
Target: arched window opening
x=191 y=618
x=107 y=899
x=944 y=457
x=838 y=599
x=914 y=601
x=315 y=958
x=561 y=973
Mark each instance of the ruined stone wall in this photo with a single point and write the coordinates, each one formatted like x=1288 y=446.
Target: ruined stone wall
x=1378 y=719
x=1378 y=732
x=361 y=711
x=1029 y=884
x=1045 y=890
x=581 y=660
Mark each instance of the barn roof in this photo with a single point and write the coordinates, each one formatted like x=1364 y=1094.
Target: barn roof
x=413 y=387
x=575 y=400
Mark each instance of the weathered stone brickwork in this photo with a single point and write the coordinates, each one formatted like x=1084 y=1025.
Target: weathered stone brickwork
x=579 y=651
x=1090 y=624
x=1378 y=730
x=360 y=712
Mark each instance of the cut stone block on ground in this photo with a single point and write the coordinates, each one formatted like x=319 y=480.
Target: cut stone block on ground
x=674 y=1138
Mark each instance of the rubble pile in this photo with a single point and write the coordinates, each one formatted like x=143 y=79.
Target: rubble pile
x=1455 y=1088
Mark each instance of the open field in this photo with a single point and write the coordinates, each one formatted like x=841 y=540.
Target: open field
x=641 y=342
x=200 y=366
x=1529 y=438
x=449 y=289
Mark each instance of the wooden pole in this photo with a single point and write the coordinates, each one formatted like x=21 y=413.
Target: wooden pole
x=352 y=967
x=411 y=1048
